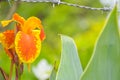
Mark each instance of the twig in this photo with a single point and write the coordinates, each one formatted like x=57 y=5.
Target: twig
x=4 y=74
x=13 y=9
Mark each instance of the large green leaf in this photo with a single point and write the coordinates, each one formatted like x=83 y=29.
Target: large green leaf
x=105 y=62
x=53 y=74
x=70 y=66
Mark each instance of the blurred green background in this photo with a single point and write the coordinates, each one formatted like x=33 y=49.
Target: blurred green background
x=82 y=25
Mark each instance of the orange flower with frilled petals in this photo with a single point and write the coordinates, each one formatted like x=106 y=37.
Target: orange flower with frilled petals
x=27 y=40
x=7 y=40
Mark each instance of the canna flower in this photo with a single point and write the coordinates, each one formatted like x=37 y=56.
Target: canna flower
x=7 y=40
x=27 y=40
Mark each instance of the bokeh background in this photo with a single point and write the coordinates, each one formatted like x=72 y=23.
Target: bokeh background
x=82 y=25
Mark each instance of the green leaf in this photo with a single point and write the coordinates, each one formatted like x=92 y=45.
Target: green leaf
x=53 y=74
x=70 y=66
x=105 y=61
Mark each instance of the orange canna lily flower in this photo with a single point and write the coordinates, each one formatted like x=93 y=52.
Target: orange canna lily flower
x=27 y=41
x=7 y=40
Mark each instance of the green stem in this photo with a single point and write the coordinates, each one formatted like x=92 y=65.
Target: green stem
x=11 y=70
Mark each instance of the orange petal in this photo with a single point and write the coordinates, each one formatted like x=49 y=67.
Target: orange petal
x=31 y=23
x=27 y=47
x=5 y=22
x=18 y=19
x=42 y=35
x=7 y=39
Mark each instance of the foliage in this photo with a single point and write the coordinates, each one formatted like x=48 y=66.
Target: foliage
x=69 y=63
x=82 y=25
x=104 y=63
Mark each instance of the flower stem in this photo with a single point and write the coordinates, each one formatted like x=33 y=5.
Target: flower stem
x=28 y=65
x=11 y=70
x=16 y=78
x=18 y=73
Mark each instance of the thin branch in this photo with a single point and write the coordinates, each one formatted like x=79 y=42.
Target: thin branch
x=13 y=9
x=4 y=74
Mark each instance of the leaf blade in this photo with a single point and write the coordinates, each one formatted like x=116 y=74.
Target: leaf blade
x=53 y=73
x=104 y=64
x=70 y=66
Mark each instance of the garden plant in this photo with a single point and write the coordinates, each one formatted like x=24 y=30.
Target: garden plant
x=23 y=45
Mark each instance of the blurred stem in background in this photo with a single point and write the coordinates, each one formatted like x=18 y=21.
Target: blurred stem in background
x=11 y=70
x=11 y=11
